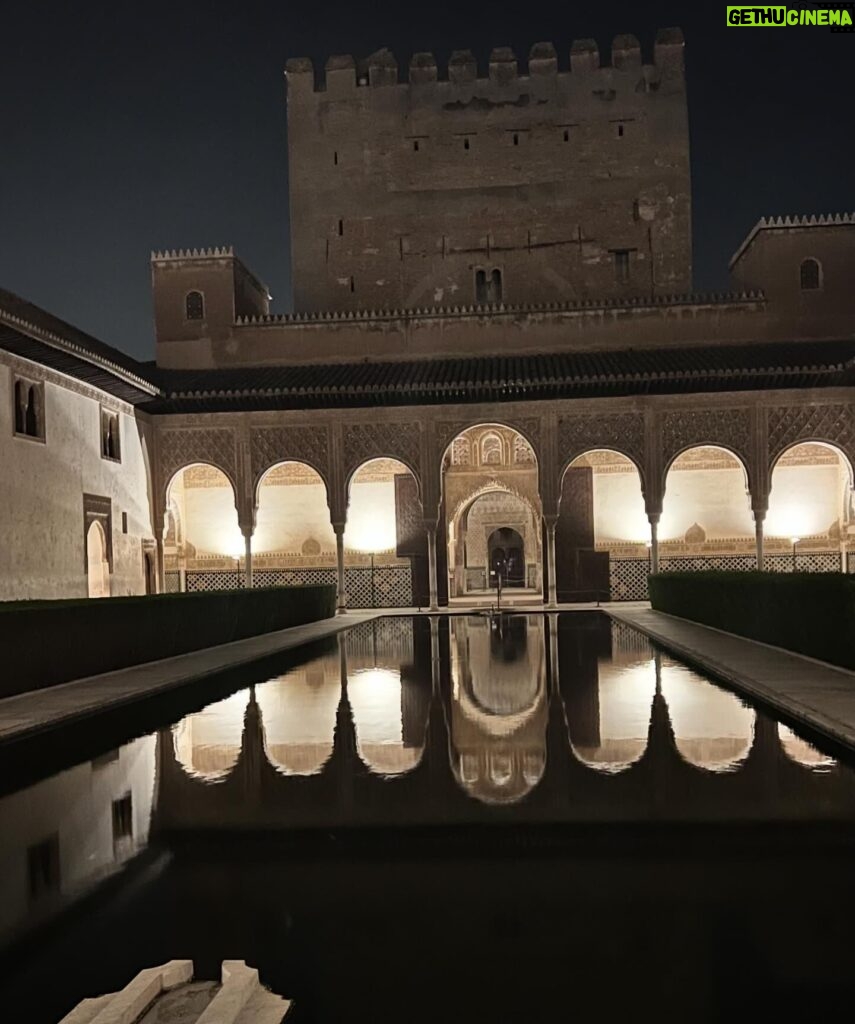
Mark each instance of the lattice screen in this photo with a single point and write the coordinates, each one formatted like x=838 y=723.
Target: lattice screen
x=172 y=582
x=393 y=587
x=393 y=637
x=814 y=561
x=628 y=578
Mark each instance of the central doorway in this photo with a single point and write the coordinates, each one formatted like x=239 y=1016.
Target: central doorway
x=507 y=556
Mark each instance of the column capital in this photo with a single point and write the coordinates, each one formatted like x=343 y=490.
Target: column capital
x=338 y=528
x=653 y=516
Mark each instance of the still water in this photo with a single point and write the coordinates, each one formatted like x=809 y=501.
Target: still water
x=458 y=807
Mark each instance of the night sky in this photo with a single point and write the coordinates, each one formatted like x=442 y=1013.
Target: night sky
x=136 y=126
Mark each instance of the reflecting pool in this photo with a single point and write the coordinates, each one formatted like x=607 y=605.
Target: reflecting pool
x=441 y=788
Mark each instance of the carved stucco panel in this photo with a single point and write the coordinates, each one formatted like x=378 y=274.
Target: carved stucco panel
x=269 y=445
x=184 y=446
x=363 y=441
x=727 y=428
x=788 y=425
x=447 y=430
x=582 y=432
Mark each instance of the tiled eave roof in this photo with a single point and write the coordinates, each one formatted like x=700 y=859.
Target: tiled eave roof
x=507 y=378
x=29 y=332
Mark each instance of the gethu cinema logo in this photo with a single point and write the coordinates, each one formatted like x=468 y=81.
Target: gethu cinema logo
x=770 y=17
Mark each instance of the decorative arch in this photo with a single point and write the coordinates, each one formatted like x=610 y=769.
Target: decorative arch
x=270 y=446
x=448 y=432
x=727 y=428
x=832 y=423
x=810 y=274
x=364 y=442
x=207 y=536
x=830 y=445
x=262 y=476
x=796 y=511
x=97 y=565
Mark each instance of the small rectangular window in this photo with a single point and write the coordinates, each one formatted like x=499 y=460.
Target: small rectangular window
x=335 y=157
x=620 y=131
x=123 y=818
x=621 y=260
x=566 y=134
x=352 y=284
x=340 y=227
x=415 y=145
x=124 y=522
x=43 y=869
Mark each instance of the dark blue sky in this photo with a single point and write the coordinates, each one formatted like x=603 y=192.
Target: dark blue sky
x=129 y=127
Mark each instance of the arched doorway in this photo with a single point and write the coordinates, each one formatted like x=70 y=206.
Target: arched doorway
x=492 y=512
x=97 y=566
x=506 y=557
x=603 y=535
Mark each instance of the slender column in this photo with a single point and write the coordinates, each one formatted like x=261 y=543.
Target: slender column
x=551 y=523
x=758 y=538
x=430 y=530
x=341 y=598
x=182 y=578
x=247 y=539
x=653 y=517
x=434 y=655
x=161 y=565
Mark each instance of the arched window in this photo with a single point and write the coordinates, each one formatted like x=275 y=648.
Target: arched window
x=481 y=287
x=491 y=450
x=522 y=450
x=495 y=289
x=810 y=275
x=29 y=409
x=460 y=452
x=194 y=306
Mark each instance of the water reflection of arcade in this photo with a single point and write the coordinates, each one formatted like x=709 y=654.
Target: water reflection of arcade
x=563 y=719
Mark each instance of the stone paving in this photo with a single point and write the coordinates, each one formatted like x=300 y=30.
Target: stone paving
x=29 y=713
x=804 y=689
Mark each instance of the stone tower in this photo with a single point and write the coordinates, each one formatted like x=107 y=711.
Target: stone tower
x=451 y=189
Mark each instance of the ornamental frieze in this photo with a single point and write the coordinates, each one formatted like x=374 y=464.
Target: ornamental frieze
x=271 y=445
x=185 y=446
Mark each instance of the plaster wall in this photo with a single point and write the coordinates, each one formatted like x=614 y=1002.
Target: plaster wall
x=41 y=500
x=716 y=499
x=619 y=513
x=290 y=515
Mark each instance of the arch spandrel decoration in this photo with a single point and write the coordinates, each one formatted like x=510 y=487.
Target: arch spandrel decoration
x=268 y=446
x=789 y=425
x=721 y=428
x=529 y=428
x=583 y=432
x=401 y=441
x=183 y=447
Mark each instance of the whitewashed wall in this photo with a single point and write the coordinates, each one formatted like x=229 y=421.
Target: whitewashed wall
x=41 y=496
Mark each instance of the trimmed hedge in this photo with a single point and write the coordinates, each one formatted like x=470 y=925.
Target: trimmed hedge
x=810 y=613
x=50 y=642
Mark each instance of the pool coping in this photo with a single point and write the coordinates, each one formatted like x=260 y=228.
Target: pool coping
x=814 y=693
x=37 y=711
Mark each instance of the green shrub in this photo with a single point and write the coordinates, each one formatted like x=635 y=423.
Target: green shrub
x=50 y=642
x=811 y=613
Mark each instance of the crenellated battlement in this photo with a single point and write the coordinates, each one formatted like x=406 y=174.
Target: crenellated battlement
x=213 y=252
x=343 y=73
x=792 y=221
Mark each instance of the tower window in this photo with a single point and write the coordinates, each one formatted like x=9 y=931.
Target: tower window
x=810 y=275
x=110 y=446
x=352 y=284
x=488 y=287
x=194 y=306
x=415 y=145
x=566 y=134
x=466 y=142
x=516 y=139
x=621 y=259
x=29 y=409
x=340 y=228
x=620 y=131
x=335 y=157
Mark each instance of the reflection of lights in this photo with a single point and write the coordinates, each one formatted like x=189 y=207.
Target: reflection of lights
x=375 y=696
x=372 y=535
